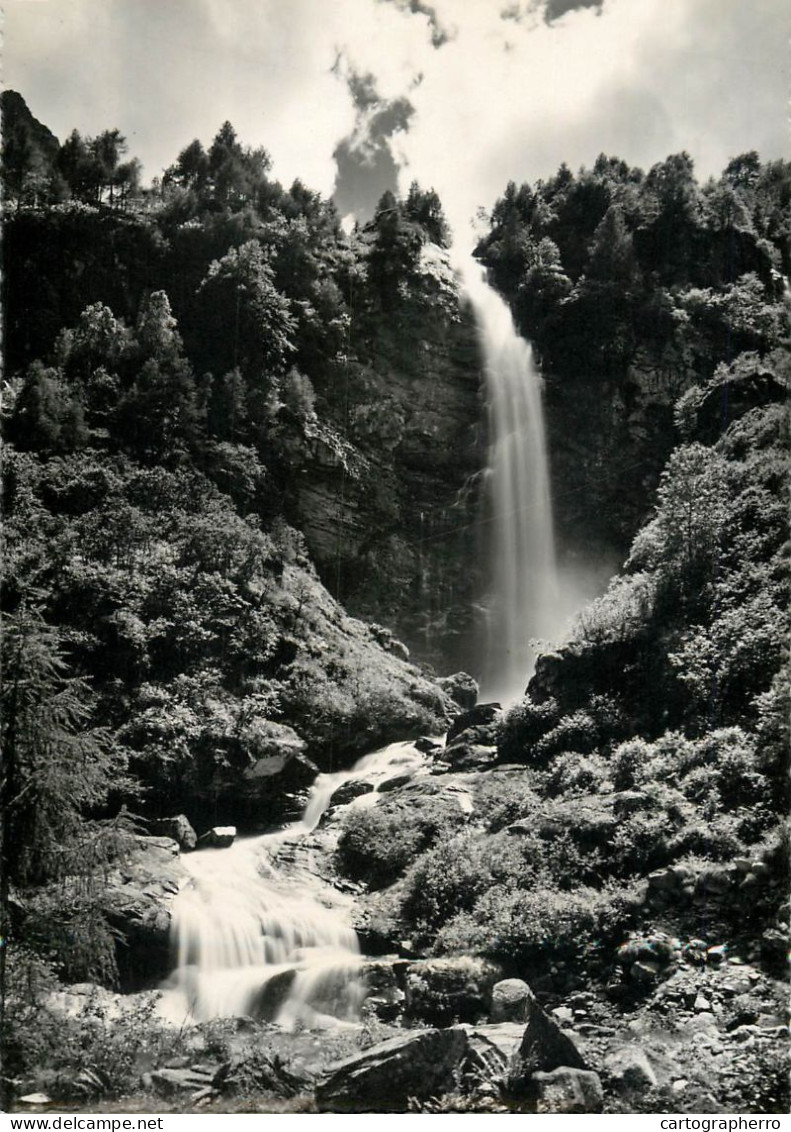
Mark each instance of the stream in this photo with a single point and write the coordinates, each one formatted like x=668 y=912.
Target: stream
x=257 y=932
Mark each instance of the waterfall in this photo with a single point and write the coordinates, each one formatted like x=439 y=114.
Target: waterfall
x=256 y=932
x=524 y=600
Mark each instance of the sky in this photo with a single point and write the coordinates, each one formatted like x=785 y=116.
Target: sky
x=356 y=96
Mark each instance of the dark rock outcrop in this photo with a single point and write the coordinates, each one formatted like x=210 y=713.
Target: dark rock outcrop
x=544 y=1047
x=462 y=689
x=178 y=828
x=480 y=716
x=139 y=898
x=469 y=756
x=218 y=837
x=421 y=1064
x=453 y=989
x=355 y=788
x=390 y=508
x=630 y=1070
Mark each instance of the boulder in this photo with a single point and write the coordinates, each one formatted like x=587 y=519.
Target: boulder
x=492 y=1049
x=630 y=1069
x=419 y=1064
x=269 y=1075
x=483 y=715
x=469 y=756
x=350 y=790
x=628 y=802
x=178 y=828
x=462 y=689
x=567 y=1090
x=774 y=952
x=384 y=987
x=191 y=1078
x=525 y=827
x=394 y=783
x=251 y=779
x=646 y=971
x=563 y=1015
x=510 y=998
x=427 y=746
x=588 y=819
x=140 y=894
x=544 y=1047
x=219 y=837
x=447 y=990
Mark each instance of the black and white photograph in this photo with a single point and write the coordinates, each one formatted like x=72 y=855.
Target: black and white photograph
x=395 y=590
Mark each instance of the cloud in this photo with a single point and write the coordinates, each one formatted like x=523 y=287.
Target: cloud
x=549 y=10
x=440 y=33
x=447 y=90
x=365 y=163
x=510 y=101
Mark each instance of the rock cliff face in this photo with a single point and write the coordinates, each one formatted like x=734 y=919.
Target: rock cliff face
x=390 y=511
x=608 y=440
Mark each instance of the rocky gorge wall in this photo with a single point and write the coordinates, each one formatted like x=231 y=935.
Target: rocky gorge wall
x=390 y=505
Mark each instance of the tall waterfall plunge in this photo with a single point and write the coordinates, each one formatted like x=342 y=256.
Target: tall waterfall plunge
x=524 y=601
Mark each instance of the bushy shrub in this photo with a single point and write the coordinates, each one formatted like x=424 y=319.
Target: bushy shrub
x=530 y=928
x=643 y=840
x=523 y=725
x=450 y=877
x=575 y=732
x=628 y=762
x=502 y=799
x=99 y=1051
x=377 y=844
x=620 y=614
x=571 y=773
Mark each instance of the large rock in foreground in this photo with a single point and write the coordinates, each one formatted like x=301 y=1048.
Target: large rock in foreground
x=544 y=1047
x=383 y=1079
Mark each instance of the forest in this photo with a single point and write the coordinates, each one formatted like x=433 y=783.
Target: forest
x=243 y=473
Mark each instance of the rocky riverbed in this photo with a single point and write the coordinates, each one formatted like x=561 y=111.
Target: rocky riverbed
x=661 y=1021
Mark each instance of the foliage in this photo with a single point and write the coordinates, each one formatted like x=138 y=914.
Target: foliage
x=377 y=844
x=56 y=770
x=533 y=928
x=633 y=288
x=99 y=1051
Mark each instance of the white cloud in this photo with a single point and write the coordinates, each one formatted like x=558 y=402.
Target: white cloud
x=501 y=100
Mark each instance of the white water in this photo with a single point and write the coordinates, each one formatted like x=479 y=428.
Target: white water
x=524 y=603
x=255 y=938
